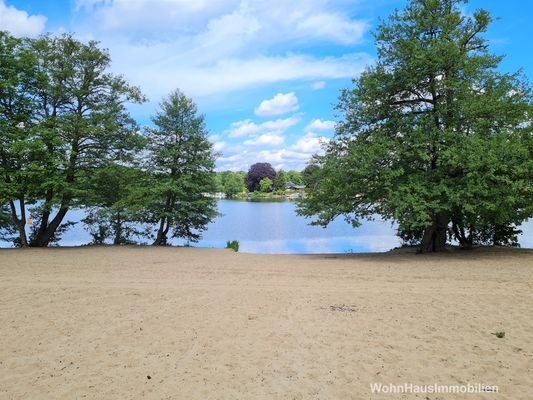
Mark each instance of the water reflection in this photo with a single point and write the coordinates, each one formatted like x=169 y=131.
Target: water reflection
x=274 y=227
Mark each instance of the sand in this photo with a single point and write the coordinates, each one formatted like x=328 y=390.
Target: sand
x=186 y=323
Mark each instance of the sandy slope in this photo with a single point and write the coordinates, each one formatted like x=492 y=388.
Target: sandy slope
x=211 y=324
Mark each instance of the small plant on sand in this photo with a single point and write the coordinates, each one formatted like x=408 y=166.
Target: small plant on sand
x=499 y=335
x=232 y=244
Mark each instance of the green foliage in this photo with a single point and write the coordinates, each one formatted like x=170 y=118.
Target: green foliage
x=256 y=173
x=181 y=162
x=295 y=177
x=282 y=177
x=112 y=200
x=6 y=226
x=310 y=174
x=233 y=244
x=281 y=180
x=499 y=335
x=433 y=135
x=67 y=141
x=230 y=183
x=61 y=116
x=265 y=185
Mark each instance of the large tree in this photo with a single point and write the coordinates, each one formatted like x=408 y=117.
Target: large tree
x=256 y=173
x=433 y=137
x=182 y=165
x=21 y=156
x=62 y=115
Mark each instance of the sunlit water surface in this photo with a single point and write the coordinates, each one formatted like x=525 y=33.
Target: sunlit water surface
x=274 y=227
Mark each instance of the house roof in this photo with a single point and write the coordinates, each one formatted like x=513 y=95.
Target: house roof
x=291 y=185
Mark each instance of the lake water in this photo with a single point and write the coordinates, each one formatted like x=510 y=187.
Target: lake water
x=274 y=227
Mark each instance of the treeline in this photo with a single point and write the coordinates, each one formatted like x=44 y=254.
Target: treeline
x=67 y=141
x=261 y=178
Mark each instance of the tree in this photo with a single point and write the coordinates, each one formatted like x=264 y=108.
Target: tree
x=295 y=177
x=113 y=211
x=181 y=162
x=257 y=172
x=310 y=174
x=433 y=135
x=281 y=180
x=62 y=115
x=19 y=147
x=265 y=185
x=232 y=183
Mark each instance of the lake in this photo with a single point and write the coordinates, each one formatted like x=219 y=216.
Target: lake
x=274 y=227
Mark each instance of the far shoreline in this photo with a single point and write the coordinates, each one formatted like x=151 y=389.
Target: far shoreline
x=400 y=251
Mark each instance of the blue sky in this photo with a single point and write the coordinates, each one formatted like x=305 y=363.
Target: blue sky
x=266 y=73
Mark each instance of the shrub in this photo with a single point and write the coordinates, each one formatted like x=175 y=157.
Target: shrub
x=232 y=244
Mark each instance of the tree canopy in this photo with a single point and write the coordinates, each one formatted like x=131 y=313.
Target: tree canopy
x=182 y=161
x=433 y=136
x=61 y=115
x=67 y=140
x=231 y=183
x=265 y=185
x=113 y=210
x=256 y=173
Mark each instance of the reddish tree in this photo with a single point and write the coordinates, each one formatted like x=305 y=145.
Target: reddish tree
x=257 y=172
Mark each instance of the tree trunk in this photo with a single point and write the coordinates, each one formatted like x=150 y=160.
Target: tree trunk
x=20 y=223
x=434 y=238
x=464 y=241
x=161 y=237
x=118 y=230
x=46 y=213
x=47 y=231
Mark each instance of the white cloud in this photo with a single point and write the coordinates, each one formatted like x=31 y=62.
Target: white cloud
x=219 y=146
x=249 y=128
x=214 y=47
x=318 y=85
x=279 y=158
x=267 y=139
x=335 y=27
x=20 y=23
x=262 y=140
x=239 y=157
x=282 y=103
x=156 y=75
x=243 y=128
x=136 y=17
x=281 y=124
x=272 y=20
x=309 y=144
x=319 y=125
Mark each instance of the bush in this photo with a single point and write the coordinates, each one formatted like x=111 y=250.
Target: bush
x=232 y=244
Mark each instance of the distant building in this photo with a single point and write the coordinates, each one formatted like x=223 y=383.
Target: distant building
x=290 y=185
x=216 y=195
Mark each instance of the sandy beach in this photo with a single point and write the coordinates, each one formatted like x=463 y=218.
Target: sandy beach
x=187 y=323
